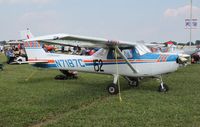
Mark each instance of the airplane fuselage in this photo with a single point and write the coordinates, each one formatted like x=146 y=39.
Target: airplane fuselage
x=104 y=62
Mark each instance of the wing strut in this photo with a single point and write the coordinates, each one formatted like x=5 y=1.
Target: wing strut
x=125 y=58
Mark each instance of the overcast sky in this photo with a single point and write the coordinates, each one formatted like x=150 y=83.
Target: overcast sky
x=128 y=20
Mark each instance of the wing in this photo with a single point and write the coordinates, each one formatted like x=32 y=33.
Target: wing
x=82 y=41
x=154 y=45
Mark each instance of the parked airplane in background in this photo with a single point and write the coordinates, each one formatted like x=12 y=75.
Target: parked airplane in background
x=167 y=49
x=184 y=51
x=133 y=60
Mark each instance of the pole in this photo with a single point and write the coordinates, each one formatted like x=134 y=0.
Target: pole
x=190 y=23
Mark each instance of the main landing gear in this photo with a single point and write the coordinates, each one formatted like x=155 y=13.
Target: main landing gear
x=113 y=88
x=163 y=87
x=134 y=82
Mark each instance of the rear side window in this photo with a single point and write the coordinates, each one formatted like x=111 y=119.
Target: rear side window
x=127 y=53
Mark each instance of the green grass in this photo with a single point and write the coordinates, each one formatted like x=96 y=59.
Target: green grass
x=43 y=101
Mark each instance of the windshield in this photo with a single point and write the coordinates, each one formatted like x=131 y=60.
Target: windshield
x=142 y=49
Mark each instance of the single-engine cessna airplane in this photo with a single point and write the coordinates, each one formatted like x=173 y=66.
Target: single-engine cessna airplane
x=134 y=60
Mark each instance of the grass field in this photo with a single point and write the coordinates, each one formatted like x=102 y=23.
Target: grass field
x=43 y=101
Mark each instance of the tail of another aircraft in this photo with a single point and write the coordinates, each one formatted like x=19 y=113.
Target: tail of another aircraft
x=33 y=49
x=26 y=34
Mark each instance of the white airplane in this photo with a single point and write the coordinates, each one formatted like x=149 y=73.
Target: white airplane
x=133 y=60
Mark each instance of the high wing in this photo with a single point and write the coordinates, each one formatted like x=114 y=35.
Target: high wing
x=81 y=41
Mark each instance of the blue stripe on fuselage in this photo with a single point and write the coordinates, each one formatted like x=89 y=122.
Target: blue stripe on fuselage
x=150 y=56
x=172 y=58
x=146 y=57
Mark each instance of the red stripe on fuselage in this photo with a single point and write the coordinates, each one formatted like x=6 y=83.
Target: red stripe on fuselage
x=45 y=60
x=111 y=61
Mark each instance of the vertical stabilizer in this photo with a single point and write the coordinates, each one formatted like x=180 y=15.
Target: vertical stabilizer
x=33 y=49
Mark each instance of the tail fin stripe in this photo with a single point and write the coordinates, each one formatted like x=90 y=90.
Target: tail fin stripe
x=34 y=44
x=31 y=44
x=28 y=37
x=26 y=44
x=38 y=44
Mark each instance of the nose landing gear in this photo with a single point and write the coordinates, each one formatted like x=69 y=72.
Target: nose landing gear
x=163 y=87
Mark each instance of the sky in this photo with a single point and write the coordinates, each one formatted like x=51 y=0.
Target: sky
x=127 y=20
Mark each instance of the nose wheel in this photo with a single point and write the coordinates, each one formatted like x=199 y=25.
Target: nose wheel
x=163 y=87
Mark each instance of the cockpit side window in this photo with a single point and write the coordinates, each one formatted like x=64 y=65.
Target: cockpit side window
x=126 y=52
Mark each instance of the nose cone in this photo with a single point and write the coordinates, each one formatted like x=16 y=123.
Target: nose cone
x=181 y=60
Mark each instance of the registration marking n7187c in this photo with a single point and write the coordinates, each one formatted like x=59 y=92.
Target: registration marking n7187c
x=70 y=63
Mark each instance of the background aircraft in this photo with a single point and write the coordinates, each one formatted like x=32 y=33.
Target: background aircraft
x=184 y=51
x=128 y=59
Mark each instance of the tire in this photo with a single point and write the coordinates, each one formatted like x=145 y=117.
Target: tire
x=166 y=88
x=112 y=89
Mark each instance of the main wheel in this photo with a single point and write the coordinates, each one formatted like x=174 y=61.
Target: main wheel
x=113 y=89
x=134 y=82
x=164 y=89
